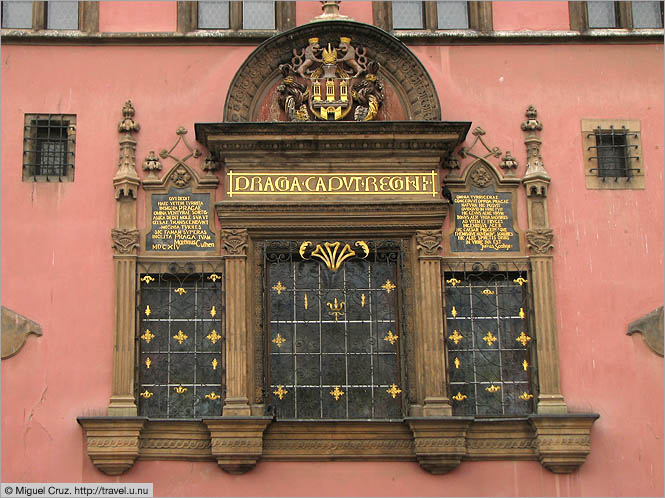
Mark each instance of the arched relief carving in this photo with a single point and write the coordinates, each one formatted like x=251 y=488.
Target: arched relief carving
x=406 y=80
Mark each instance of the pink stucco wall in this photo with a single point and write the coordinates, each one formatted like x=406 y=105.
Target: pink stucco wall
x=531 y=15
x=608 y=258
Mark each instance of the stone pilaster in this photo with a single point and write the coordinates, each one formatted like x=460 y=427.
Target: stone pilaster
x=125 y=238
x=429 y=301
x=236 y=402
x=539 y=238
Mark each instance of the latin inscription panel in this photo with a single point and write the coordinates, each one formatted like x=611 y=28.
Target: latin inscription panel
x=484 y=222
x=180 y=222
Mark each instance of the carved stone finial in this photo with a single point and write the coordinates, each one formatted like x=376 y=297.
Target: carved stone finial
x=330 y=12
x=152 y=164
x=508 y=163
x=126 y=181
x=535 y=169
x=128 y=124
x=210 y=163
x=532 y=122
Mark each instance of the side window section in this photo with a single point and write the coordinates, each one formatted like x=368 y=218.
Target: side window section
x=181 y=342
x=49 y=144
x=491 y=351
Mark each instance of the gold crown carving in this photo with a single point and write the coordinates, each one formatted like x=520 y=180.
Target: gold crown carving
x=313 y=40
x=329 y=55
x=345 y=39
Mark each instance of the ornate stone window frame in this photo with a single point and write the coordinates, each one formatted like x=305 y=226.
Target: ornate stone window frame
x=480 y=16
x=88 y=16
x=633 y=140
x=579 y=18
x=285 y=16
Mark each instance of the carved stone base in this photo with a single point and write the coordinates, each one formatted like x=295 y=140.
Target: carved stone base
x=113 y=442
x=237 y=442
x=440 y=443
x=563 y=442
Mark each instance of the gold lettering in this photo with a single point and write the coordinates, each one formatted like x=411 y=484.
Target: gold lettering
x=368 y=180
x=296 y=185
x=331 y=187
x=256 y=180
x=396 y=183
x=307 y=180
x=267 y=186
x=282 y=184
x=320 y=186
x=383 y=182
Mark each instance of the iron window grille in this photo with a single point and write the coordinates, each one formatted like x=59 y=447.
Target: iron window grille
x=48 y=147
x=490 y=351
x=180 y=361
x=613 y=153
x=334 y=337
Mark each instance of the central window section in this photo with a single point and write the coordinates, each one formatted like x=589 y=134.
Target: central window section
x=333 y=329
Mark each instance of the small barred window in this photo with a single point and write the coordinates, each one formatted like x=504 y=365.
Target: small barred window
x=181 y=342
x=613 y=153
x=490 y=348
x=48 y=149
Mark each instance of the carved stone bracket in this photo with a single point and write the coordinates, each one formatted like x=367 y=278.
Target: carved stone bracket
x=563 y=442
x=15 y=331
x=540 y=240
x=429 y=242
x=650 y=326
x=125 y=241
x=440 y=443
x=113 y=442
x=235 y=241
x=237 y=442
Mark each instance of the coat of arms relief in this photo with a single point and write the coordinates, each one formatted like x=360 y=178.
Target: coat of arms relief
x=329 y=83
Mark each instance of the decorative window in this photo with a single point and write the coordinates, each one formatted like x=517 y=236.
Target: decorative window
x=454 y=14
x=49 y=146
x=490 y=347
x=333 y=330
x=83 y=16
x=612 y=154
x=181 y=341
x=609 y=15
x=250 y=15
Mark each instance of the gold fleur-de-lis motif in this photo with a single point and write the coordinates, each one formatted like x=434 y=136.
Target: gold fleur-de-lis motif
x=487 y=292
x=393 y=391
x=453 y=312
x=213 y=312
x=306 y=302
x=336 y=308
x=147 y=279
x=453 y=281
x=180 y=290
x=280 y=392
x=363 y=300
x=391 y=338
x=459 y=396
x=214 y=363
x=456 y=337
x=279 y=340
x=525 y=396
x=520 y=281
x=457 y=362
x=278 y=287
x=148 y=362
x=146 y=394
x=493 y=388
x=180 y=337
x=525 y=365
x=330 y=256
x=490 y=338
x=214 y=277
x=180 y=389
x=336 y=393
x=213 y=336
x=523 y=339
x=213 y=396
x=522 y=314
x=148 y=336
x=147 y=310
x=388 y=286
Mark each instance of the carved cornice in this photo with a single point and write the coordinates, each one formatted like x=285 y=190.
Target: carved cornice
x=235 y=241
x=15 y=331
x=429 y=242
x=540 y=240
x=125 y=241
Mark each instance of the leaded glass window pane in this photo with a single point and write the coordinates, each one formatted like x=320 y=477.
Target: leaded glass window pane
x=17 y=15
x=490 y=348
x=62 y=15
x=258 y=15
x=647 y=14
x=181 y=337
x=601 y=14
x=333 y=335
x=407 y=15
x=213 y=15
x=452 y=15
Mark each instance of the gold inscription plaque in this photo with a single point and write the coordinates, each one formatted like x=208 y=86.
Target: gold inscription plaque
x=482 y=222
x=333 y=183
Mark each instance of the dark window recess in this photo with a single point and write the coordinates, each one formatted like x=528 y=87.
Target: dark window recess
x=334 y=338
x=181 y=342
x=613 y=153
x=49 y=144
x=490 y=348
